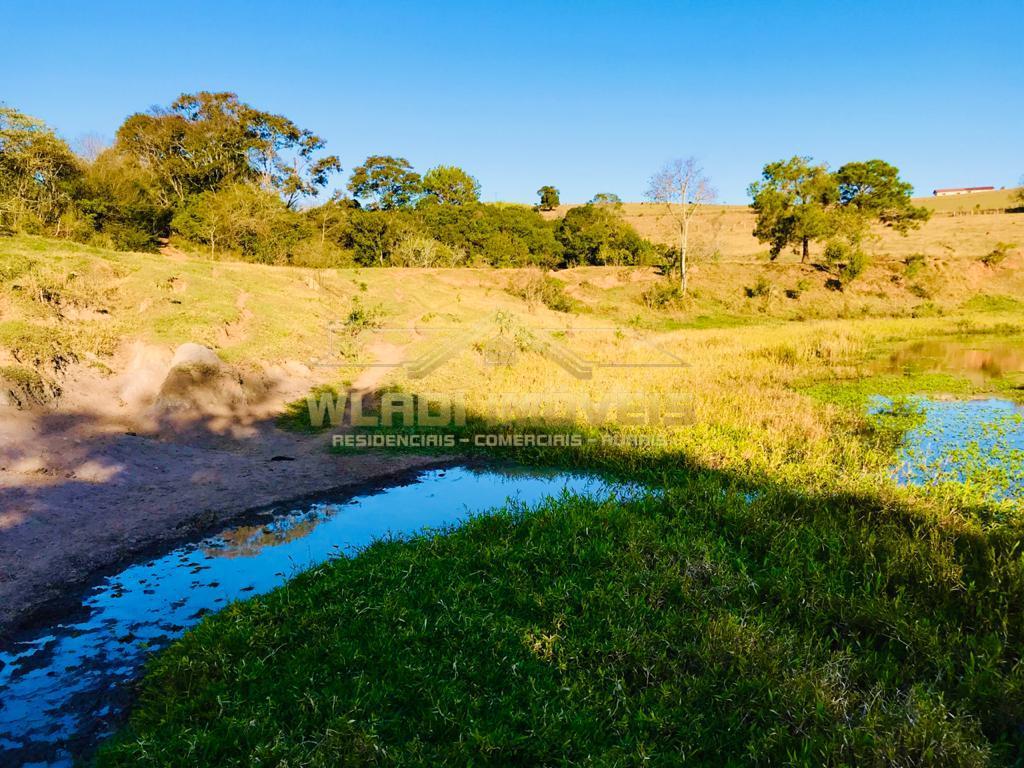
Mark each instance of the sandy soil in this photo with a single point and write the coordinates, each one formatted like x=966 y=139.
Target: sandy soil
x=126 y=464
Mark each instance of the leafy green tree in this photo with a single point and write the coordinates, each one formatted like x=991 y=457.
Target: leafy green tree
x=875 y=190
x=205 y=141
x=450 y=185
x=37 y=173
x=329 y=218
x=548 y=198
x=117 y=198
x=243 y=218
x=607 y=199
x=594 y=234
x=375 y=235
x=792 y=201
x=385 y=183
x=798 y=203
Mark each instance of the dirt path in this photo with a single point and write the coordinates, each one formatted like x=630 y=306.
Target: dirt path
x=101 y=478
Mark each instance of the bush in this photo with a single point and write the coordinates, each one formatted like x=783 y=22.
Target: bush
x=543 y=289
x=594 y=234
x=998 y=254
x=795 y=292
x=120 y=207
x=498 y=235
x=424 y=251
x=914 y=263
x=661 y=295
x=761 y=288
x=847 y=260
x=245 y=219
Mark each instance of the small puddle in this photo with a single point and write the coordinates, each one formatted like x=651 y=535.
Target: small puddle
x=64 y=688
x=980 y=442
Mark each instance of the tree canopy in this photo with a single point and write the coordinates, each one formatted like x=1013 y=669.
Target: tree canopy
x=450 y=185
x=798 y=202
x=384 y=182
x=792 y=201
x=548 y=198
x=206 y=140
x=37 y=170
x=607 y=199
x=875 y=189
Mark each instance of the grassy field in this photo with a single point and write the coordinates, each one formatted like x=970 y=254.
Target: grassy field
x=958 y=204
x=775 y=599
x=62 y=302
x=723 y=232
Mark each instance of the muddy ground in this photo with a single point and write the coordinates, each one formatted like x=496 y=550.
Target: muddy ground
x=163 y=450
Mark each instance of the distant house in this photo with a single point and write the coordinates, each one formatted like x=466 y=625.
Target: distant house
x=960 y=191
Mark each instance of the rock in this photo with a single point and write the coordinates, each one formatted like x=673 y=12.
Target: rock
x=191 y=353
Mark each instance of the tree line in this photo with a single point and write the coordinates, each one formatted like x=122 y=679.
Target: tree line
x=227 y=177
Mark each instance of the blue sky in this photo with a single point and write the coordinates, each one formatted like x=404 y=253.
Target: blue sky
x=588 y=96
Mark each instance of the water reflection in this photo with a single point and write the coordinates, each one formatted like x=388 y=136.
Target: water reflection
x=64 y=688
x=978 y=359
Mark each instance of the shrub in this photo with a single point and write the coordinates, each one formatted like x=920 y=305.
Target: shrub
x=245 y=219
x=761 y=288
x=795 y=292
x=497 y=235
x=424 y=251
x=362 y=317
x=543 y=289
x=920 y=290
x=856 y=263
x=998 y=254
x=661 y=295
x=594 y=234
x=914 y=263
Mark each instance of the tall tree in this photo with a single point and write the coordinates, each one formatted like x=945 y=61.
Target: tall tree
x=385 y=182
x=205 y=141
x=792 y=202
x=548 y=198
x=450 y=185
x=875 y=190
x=798 y=202
x=37 y=169
x=682 y=188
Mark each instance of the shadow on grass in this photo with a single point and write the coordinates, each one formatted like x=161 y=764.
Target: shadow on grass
x=723 y=618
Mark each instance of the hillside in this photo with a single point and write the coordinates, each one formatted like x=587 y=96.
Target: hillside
x=727 y=230
x=62 y=303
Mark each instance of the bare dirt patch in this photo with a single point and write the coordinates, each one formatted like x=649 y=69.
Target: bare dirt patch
x=131 y=461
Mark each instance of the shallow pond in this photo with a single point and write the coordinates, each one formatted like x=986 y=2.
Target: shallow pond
x=980 y=359
x=978 y=442
x=65 y=687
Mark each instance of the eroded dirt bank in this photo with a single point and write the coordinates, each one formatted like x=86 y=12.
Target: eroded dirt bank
x=163 y=450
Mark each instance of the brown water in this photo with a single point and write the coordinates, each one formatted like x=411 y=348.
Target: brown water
x=979 y=359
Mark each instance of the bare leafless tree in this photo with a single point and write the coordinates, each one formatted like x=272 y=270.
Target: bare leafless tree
x=682 y=187
x=89 y=146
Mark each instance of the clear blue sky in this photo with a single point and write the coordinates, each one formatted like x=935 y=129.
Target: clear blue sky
x=588 y=96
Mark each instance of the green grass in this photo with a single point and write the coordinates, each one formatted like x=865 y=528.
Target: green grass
x=776 y=599
x=773 y=611
x=696 y=625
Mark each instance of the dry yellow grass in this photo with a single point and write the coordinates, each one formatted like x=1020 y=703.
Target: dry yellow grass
x=985 y=201
x=728 y=230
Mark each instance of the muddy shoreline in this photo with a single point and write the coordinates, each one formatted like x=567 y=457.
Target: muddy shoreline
x=62 y=600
